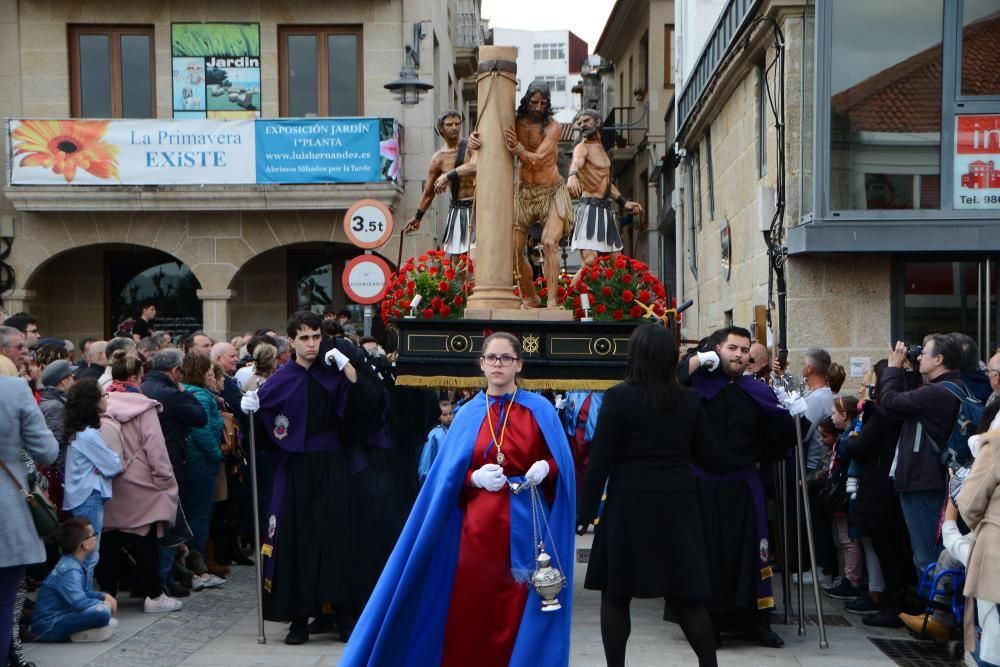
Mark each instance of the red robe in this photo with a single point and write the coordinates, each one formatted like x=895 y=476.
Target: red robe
x=486 y=601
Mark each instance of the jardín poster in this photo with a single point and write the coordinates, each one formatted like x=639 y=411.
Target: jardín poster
x=977 y=161
x=216 y=70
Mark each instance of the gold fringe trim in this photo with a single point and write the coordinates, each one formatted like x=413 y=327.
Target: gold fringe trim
x=266 y=550
x=267 y=585
x=766 y=603
x=531 y=384
x=766 y=573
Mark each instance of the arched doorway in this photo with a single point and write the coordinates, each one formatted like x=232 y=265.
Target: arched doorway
x=89 y=291
x=304 y=276
x=137 y=274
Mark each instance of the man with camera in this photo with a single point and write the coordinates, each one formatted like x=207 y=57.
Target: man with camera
x=928 y=413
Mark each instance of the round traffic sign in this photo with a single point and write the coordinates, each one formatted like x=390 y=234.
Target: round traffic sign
x=368 y=224
x=365 y=279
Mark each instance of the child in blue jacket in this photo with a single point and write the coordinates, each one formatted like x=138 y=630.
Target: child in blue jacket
x=67 y=608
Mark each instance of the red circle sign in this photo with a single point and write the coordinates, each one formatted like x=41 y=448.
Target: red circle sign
x=365 y=279
x=368 y=224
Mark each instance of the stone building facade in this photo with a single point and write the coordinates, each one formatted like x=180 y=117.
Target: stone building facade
x=246 y=248
x=879 y=245
x=636 y=45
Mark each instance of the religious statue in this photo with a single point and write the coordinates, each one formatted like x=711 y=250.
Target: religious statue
x=452 y=167
x=595 y=228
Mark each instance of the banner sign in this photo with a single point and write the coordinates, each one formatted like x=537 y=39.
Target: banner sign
x=977 y=161
x=216 y=70
x=198 y=152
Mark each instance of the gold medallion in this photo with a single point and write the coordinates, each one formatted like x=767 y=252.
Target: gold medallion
x=501 y=458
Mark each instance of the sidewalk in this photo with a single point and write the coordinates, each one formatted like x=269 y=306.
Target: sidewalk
x=219 y=627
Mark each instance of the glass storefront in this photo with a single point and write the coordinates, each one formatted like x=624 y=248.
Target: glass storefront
x=943 y=296
x=885 y=124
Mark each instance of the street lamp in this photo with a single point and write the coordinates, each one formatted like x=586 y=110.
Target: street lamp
x=409 y=86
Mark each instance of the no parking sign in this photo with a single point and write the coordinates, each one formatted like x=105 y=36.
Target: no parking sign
x=365 y=279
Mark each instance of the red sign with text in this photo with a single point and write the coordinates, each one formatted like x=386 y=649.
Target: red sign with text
x=977 y=162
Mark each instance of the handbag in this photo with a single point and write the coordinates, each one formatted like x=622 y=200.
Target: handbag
x=230 y=440
x=43 y=512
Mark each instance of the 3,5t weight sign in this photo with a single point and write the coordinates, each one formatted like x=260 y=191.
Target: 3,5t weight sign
x=368 y=224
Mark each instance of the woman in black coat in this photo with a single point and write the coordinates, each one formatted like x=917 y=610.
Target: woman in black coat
x=649 y=541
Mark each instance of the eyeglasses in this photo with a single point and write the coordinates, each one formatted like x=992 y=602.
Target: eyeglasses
x=504 y=360
x=993 y=371
x=90 y=537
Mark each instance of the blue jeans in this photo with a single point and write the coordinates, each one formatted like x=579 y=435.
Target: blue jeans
x=198 y=498
x=92 y=508
x=921 y=510
x=96 y=617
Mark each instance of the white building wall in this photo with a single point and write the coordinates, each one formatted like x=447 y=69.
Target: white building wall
x=565 y=103
x=695 y=21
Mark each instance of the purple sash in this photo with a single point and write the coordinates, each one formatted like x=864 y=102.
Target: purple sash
x=765 y=593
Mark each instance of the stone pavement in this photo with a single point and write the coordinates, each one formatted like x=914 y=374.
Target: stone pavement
x=219 y=627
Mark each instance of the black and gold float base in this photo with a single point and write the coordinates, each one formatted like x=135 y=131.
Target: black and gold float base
x=561 y=356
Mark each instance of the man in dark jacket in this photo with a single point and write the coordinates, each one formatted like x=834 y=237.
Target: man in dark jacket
x=181 y=410
x=928 y=413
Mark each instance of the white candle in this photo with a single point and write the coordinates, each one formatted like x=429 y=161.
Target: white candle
x=585 y=301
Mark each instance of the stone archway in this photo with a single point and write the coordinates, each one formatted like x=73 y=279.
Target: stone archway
x=87 y=291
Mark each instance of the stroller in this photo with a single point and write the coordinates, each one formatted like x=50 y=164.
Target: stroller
x=943 y=591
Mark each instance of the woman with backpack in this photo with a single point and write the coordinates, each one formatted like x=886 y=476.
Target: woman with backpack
x=144 y=501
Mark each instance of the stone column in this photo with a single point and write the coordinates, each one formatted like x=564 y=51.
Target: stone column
x=215 y=313
x=497 y=80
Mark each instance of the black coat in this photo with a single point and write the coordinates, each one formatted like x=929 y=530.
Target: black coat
x=649 y=541
x=874 y=448
x=181 y=412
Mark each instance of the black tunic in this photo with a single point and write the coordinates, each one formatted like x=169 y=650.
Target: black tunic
x=746 y=435
x=649 y=541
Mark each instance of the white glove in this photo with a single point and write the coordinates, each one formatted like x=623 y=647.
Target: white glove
x=796 y=405
x=560 y=402
x=537 y=473
x=782 y=394
x=710 y=360
x=489 y=477
x=250 y=403
x=337 y=357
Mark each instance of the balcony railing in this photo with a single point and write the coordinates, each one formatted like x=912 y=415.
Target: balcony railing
x=466 y=25
x=730 y=23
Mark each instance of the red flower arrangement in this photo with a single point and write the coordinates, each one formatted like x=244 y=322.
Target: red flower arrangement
x=618 y=289
x=442 y=283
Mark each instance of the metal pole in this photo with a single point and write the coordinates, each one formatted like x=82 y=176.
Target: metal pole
x=798 y=545
x=801 y=468
x=786 y=573
x=258 y=566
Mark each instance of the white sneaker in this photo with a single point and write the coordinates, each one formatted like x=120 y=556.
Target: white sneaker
x=206 y=581
x=160 y=605
x=100 y=634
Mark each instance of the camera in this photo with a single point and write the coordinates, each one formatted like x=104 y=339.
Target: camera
x=912 y=354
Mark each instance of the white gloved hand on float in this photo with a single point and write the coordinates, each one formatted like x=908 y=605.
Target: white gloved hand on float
x=489 y=477
x=250 y=403
x=560 y=402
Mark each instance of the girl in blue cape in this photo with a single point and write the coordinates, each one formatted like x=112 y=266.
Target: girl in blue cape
x=456 y=589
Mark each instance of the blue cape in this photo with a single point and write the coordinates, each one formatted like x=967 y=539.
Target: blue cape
x=405 y=618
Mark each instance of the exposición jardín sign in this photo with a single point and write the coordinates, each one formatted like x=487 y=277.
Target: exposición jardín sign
x=197 y=152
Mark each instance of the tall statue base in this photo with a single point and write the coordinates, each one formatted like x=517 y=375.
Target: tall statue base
x=519 y=314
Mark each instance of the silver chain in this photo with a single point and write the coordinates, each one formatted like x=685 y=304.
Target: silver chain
x=536 y=526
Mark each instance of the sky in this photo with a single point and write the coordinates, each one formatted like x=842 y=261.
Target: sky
x=551 y=15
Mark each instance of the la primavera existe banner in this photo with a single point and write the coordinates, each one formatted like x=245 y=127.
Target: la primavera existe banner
x=203 y=152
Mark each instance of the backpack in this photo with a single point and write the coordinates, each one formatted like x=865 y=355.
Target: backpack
x=956 y=453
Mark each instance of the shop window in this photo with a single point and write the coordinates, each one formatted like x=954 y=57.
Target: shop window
x=112 y=71
x=885 y=72
x=320 y=71
x=980 y=40
x=150 y=274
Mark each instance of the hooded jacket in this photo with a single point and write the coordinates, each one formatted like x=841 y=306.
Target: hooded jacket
x=146 y=491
